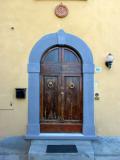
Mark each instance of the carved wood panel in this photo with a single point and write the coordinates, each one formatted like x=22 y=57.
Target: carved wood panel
x=50 y=98
x=72 y=107
x=61 y=91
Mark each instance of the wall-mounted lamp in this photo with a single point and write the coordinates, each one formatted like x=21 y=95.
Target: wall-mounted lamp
x=109 y=60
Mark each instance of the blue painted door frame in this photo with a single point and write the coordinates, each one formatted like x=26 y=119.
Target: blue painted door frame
x=50 y=40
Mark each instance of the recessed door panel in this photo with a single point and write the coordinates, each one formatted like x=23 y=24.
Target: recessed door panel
x=50 y=98
x=72 y=107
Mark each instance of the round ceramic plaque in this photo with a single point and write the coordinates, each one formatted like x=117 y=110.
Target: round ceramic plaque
x=61 y=11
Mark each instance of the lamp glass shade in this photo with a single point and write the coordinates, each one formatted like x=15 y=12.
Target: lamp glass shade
x=109 y=58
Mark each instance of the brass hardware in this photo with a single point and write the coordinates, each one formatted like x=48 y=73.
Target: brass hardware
x=50 y=84
x=62 y=93
x=71 y=85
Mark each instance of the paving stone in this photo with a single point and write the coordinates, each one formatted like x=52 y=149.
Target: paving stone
x=107 y=158
x=107 y=146
x=14 y=145
x=13 y=157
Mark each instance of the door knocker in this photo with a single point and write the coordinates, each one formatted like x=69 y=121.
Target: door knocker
x=71 y=85
x=50 y=84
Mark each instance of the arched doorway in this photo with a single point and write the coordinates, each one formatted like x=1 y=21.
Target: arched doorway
x=61 y=91
x=82 y=76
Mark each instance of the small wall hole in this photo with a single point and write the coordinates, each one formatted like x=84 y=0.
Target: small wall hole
x=12 y=28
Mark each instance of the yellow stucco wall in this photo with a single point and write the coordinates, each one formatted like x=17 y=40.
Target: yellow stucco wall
x=97 y=22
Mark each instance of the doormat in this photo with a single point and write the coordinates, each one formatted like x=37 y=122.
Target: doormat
x=61 y=149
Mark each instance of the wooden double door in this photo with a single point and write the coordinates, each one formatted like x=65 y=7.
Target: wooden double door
x=61 y=106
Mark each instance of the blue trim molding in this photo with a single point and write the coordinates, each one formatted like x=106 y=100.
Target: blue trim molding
x=60 y=38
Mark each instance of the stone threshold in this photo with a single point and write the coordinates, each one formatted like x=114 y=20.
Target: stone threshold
x=58 y=136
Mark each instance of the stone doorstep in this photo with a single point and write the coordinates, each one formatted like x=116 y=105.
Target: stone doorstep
x=38 y=150
x=107 y=157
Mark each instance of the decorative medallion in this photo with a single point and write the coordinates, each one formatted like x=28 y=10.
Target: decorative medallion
x=61 y=11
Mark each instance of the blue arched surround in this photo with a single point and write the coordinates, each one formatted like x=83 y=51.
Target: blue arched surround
x=60 y=38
